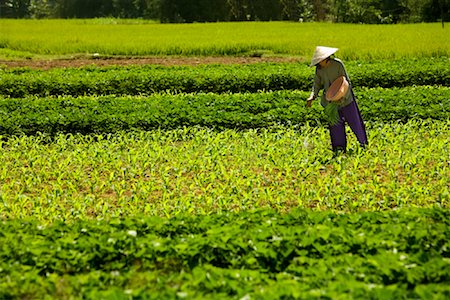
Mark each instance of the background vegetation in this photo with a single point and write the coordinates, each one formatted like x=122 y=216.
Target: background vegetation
x=350 y=11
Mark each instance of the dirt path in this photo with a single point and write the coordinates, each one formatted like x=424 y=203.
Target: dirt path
x=165 y=61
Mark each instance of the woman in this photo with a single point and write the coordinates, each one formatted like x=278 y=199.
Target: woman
x=327 y=71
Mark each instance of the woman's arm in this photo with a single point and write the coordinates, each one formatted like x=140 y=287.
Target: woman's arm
x=317 y=86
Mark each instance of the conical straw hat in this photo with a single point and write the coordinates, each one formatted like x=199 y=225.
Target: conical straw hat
x=321 y=53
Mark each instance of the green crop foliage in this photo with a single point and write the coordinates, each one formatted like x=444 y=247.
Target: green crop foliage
x=201 y=171
x=144 y=80
x=108 y=114
x=261 y=254
x=72 y=37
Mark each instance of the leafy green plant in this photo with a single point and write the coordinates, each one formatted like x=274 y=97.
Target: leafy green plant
x=331 y=113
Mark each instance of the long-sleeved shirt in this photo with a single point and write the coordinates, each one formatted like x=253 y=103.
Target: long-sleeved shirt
x=326 y=76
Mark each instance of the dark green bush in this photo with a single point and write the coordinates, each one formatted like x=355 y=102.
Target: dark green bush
x=240 y=111
x=145 y=80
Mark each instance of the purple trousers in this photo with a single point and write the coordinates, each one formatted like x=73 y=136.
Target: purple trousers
x=348 y=114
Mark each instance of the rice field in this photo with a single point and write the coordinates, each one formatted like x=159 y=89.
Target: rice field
x=111 y=37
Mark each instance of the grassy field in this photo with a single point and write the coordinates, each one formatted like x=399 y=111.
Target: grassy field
x=111 y=37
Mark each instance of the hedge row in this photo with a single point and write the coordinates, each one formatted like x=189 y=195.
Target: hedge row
x=144 y=80
x=261 y=254
x=240 y=111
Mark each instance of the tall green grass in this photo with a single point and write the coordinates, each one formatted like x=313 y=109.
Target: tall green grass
x=136 y=38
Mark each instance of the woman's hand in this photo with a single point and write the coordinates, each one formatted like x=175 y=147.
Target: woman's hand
x=309 y=101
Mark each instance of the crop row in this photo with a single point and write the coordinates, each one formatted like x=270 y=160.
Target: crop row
x=261 y=254
x=144 y=80
x=104 y=114
x=202 y=171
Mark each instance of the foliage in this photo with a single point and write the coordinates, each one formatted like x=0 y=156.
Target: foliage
x=201 y=171
x=145 y=80
x=261 y=254
x=331 y=113
x=354 y=11
x=107 y=114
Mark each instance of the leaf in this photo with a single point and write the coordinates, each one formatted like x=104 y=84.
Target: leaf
x=331 y=111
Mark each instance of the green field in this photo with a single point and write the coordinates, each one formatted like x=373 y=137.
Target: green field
x=199 y=171
x=215 y=181
x=110 y=37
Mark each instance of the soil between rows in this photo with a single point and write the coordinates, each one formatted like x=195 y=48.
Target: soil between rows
x=165 y=61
